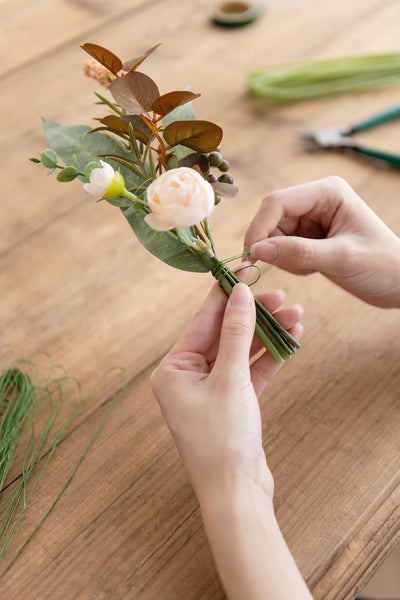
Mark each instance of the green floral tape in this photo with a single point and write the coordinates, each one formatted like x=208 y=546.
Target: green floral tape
x=235 y=14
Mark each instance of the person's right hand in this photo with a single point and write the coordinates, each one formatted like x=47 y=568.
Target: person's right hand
x=325 y=226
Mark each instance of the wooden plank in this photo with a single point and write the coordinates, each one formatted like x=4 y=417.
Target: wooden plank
x=29 y=30
x=76 y=282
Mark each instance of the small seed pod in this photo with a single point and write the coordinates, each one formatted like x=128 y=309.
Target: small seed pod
x=215 y=158
x=224 y=166
x=226 y=178
x=217 y=199
x=211 y=178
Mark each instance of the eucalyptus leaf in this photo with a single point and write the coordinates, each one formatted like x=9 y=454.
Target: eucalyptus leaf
x=168 y=102
x=184 y=112
x=75 y=147
x=105 y=57
x=89 y=168
x=48 y=158
x=165 y=245
x=135 y=92
x=120 y=201
x=132 y=65
x=67 y=174
x=201 y=136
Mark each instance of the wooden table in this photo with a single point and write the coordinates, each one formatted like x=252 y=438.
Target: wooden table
x=76 y=283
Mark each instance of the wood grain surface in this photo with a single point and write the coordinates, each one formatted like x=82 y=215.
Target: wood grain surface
x=76 y=283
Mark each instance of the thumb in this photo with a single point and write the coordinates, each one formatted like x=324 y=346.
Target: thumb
x=237 y=330
x=298 y=254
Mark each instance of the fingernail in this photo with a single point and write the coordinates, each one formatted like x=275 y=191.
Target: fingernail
x=241 y=295
x=266 y=251
x=300 y=307
x=282 y=293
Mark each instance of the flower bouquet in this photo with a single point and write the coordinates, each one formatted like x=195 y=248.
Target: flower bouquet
x=162 y=169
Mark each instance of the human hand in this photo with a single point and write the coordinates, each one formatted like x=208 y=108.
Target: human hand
x=208 y=392
x=325 y=226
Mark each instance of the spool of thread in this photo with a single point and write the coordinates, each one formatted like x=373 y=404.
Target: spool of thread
x=235 y=13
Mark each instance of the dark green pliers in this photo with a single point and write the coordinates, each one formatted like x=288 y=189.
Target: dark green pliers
x=339 y=137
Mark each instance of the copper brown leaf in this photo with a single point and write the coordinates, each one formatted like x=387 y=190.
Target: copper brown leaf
x=201 y=136
x=168 y=102
x=195 y=158
x=104 y=57
x=135 y=92
x=142 y=131
x=225 y=189
x=132 y=65
x=116 y=123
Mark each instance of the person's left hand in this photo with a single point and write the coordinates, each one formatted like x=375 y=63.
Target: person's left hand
x=208 y=392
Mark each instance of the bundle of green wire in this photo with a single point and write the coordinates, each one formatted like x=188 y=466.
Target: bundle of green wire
x=31 y=428
x=307 y=79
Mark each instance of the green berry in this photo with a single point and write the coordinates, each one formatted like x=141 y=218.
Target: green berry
x=224 y=166
x=226 y=178
x=215 y=159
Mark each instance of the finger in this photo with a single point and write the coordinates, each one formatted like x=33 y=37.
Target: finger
x=287 y=317
x=237 y=332
x=319 y=199
x=264 y=368
x=300 y=255
x=205 y=327
x=271 y=300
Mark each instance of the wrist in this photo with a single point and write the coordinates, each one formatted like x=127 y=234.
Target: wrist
x=231 y=486
x=251 y=554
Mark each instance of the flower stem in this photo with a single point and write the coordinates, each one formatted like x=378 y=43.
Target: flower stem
x=127 y=194
x=277 y=341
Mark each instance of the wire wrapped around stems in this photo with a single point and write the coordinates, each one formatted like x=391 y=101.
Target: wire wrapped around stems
x=278 y=342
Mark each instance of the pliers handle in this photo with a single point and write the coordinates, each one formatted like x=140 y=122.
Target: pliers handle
x=339 y=137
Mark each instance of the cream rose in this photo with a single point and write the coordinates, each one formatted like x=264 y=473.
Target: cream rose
x=179 y=198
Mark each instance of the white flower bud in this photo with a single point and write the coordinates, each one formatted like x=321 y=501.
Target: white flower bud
x=104 y=181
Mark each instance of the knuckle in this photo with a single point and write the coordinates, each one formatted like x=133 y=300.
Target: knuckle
x=307 y=253
x=337 y=184
x=351 y=258
x=236 y=328
x=301 y=254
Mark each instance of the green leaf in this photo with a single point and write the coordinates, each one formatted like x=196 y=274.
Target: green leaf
x=67 y=174
x=76 y=148
x=201 y=136
x=89 y=168
x=48 y=158
x=35 y=160
x=120 y=201
x=164 y=245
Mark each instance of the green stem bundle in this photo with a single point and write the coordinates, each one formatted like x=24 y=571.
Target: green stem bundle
x=277 y=341
x=29 y=435
x=306 y=79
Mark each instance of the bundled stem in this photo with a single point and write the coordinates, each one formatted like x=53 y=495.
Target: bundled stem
x=306 y=79
x=29 y=407
x=277 y=341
